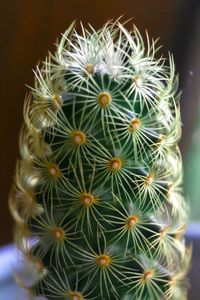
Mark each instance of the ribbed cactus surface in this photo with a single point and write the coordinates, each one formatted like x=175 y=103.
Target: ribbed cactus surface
x=98 y=198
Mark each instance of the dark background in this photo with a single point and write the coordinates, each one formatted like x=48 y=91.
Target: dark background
x=28 y=29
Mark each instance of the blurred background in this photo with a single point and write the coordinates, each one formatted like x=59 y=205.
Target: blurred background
x=30 y=28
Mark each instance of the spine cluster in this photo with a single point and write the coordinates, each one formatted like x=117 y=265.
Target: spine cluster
x=98 y=197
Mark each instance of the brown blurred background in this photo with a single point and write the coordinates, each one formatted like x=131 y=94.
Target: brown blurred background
x=29 y=29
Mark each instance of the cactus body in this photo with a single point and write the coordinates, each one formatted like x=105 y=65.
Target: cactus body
x=98 y=199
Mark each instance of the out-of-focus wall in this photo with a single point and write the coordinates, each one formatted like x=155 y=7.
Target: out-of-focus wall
x=28 y=30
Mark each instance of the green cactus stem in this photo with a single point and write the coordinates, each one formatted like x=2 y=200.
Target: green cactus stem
x=98 y=197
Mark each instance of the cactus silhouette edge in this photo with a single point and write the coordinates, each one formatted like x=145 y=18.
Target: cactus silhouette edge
x=97 y=198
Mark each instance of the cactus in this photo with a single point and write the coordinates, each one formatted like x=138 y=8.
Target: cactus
x=97 y=199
